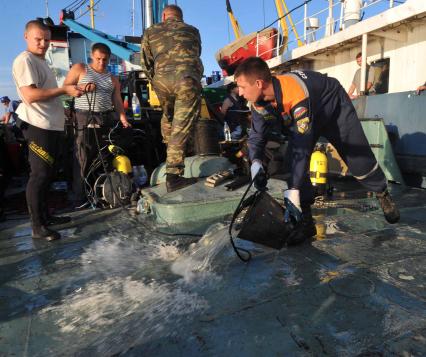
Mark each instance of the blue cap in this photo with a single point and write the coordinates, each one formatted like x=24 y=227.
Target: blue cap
x=4 y=99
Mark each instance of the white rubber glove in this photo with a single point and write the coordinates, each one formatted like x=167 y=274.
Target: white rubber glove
x=293 y=210
x=255 y=168
x=258 y=175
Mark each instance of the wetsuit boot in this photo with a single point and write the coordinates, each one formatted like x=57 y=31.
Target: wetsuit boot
x=389 y=208
x=302 y=230
x=175 y=182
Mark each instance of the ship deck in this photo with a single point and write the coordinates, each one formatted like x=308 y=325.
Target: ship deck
x=112 y=286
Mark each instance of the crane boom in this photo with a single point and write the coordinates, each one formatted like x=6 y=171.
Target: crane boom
x=235 y=25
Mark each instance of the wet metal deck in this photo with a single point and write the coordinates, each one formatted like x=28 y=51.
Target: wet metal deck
x=111 y=287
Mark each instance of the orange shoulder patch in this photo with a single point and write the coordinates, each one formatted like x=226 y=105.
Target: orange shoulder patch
x=293 y=92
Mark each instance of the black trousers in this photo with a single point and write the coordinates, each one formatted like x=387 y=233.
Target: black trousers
x=345 y=133
x=43 y=150
x=85 y=148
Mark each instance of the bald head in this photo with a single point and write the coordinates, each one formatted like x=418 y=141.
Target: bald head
x=36 y=24
x=172 y=11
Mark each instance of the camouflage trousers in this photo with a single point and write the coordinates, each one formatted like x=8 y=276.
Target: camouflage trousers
x=180 y=101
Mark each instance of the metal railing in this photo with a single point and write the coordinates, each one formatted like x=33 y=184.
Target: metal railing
x=330 y=25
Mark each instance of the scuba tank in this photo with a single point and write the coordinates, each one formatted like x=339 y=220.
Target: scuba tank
x=318 y=169
x=113 y=189
x=120 y=162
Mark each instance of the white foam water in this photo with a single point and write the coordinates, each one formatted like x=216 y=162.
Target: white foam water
x=331 y=227
x=134 y=289
x=198 y=261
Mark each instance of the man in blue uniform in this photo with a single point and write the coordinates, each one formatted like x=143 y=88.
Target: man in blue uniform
x=308 y=105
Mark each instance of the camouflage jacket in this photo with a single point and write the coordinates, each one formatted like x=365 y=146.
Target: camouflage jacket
x=172 y=47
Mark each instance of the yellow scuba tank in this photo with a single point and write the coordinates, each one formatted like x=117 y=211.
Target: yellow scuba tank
x=120 y=162
x=318 y=169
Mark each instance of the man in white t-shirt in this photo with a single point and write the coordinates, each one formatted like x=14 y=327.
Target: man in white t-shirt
x=356 y=81
x=42 y=121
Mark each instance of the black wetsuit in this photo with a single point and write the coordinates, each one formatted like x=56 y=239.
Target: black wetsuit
x=43 y=151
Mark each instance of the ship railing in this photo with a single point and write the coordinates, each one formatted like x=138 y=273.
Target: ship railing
x=311 y=34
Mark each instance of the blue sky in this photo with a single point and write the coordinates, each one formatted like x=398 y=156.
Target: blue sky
x=113 y=17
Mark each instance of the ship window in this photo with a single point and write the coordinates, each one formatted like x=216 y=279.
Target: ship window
x=381 y=75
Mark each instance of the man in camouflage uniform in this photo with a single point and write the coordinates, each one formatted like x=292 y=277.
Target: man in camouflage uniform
x=170 y=58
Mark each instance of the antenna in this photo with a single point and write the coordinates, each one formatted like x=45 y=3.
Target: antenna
x=47 y=8
x=133 y=17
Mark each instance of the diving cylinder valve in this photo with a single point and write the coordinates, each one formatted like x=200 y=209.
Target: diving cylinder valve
x=318 y=169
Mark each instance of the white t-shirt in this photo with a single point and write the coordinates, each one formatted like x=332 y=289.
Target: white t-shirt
x=369 y=77
x=352 y=9
x=27 y=70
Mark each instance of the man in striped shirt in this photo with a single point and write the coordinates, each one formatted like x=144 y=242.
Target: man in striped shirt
x=94 y=111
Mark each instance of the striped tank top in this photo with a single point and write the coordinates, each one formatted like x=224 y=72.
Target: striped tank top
x=104 y=90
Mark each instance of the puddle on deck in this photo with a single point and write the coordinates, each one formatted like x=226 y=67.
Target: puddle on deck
x=112 y=287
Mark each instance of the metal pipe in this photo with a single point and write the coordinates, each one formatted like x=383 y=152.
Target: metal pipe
x=341 y=17
x=148 y=13
x=143 y=15
x=363 y=63
x=257 y=44
x=305 y=19
x=330 y=21
x=277 y=52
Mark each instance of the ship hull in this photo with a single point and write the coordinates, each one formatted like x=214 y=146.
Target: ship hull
x=404 y=115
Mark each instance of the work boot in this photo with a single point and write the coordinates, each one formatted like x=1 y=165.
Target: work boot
x=389 y=208
x=56 y=220
x=302 y=230
x=41 y=232
x=176 y=182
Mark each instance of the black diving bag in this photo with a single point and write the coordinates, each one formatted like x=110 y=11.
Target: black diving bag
x=263 y=222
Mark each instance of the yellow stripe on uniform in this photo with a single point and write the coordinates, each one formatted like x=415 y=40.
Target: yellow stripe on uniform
x=41 y=153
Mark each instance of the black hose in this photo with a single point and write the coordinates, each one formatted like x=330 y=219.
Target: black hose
x=240 y=207
x=91 y=104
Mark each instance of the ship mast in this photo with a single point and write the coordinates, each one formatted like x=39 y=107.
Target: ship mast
x=92 y=13
x=147 y=16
